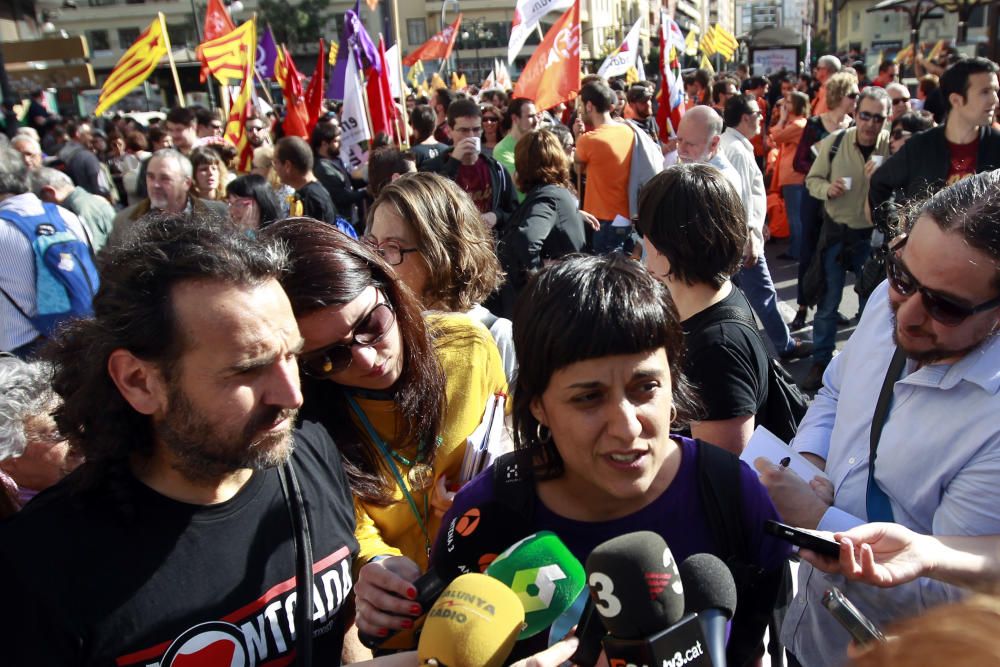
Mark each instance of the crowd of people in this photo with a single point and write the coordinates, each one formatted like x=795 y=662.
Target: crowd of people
x=213 y=382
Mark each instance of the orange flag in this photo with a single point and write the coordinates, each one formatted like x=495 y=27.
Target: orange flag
x=217 y=23
x=438 y=46
x=317 y=86
x=553 y=73
x=288 y=77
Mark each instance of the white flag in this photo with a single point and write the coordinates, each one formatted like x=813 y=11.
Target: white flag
x=626 y=56
x=392 y=58
x=353 y=121
x=527 y=14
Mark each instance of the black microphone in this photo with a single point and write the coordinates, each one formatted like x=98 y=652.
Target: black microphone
x=710 y=592
x=639 y=596
x=467 y=544
x=590 y=631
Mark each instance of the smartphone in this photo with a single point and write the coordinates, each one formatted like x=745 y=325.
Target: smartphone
x=862 y=630
x=801 y=537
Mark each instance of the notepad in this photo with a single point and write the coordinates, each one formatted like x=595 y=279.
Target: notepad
x=765 y=444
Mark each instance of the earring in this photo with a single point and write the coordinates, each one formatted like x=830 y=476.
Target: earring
x=542 y=436
x=673 y=413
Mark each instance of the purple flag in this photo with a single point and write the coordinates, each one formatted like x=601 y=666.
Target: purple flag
x=353 y=39
x=267 y=53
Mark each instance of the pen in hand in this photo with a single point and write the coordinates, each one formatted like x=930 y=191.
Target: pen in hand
x=785 y=462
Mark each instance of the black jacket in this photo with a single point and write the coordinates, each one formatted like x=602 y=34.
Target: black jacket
x=336 y=178
x=921 y=167
x=547 y=225
x=500 y=180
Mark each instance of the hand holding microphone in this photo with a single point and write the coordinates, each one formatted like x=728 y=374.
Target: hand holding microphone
x=386 y=596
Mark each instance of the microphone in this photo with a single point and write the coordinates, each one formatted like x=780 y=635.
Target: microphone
x=474 y=623
x=544 y=575
x=468 y=543
x=710 y=592
x=639 y=596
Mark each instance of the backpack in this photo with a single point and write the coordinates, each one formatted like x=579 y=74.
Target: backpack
x=786 y=405
x=647 y=161
x=65 y=276
x=719 y=489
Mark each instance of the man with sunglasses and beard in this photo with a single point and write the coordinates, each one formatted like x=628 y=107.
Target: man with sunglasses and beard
x=174 y=541
x=929 y=459
x=839 y=179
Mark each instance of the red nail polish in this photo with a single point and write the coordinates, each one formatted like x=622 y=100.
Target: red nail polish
x=411 y=593
x=407 y=624
x=415 y=610
x=383 y=632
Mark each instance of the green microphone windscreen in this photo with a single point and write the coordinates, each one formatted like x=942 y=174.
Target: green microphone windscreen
x=474 y=623
x=544 y=575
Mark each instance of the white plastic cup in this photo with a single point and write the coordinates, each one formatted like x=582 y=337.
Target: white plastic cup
x=477 y=143
x=878 y=160
x=847 y=182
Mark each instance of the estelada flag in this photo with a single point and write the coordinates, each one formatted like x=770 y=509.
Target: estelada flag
x=438 y=46
x=236 y=126
x=226 y=57
x=135 y=65
x=553 y=73
x=217 y=23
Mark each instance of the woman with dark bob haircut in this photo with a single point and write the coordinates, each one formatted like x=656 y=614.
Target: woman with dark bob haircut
x=252 y=202
x=398 y=391
x=600 y=382
x=694 y=228
x=547 y=225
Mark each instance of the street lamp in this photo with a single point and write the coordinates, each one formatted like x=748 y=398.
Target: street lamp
x=480 y=32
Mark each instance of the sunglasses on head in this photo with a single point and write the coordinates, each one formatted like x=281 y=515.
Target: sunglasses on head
x=942 y=308
x=868 y=117
x=371 y=330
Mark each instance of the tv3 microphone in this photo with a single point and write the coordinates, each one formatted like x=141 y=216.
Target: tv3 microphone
x=639 y=596
x=467 y=544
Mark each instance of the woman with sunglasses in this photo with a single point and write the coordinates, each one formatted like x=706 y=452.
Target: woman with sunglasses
x=398 y=391
x=430 y=231
x=492 y=132
x=841 y=94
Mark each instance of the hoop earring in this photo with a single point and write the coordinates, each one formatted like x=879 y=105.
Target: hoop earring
x=673 y=413
x=543 y=437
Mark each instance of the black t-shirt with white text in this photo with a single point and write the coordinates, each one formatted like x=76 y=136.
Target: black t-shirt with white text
x=131 y=578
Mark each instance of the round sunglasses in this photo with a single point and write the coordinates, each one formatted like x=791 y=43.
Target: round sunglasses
x=371 y=330
x=941 y=308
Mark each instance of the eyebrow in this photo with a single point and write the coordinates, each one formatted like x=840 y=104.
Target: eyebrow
x=638 y=375
x=954 y=297
x=262 y=361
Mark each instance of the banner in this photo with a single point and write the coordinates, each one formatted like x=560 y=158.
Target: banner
x=527 y=14
x=353 y=121
x=438 y=46
x=553 y=73
x=624 y=57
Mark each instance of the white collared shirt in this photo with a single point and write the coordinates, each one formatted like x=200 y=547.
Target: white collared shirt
x=739 y=151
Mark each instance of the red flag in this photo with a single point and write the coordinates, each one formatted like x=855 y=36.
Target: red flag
x=296 y=114
x=380 y=104
x=217 y=24
x=314 y=93
x=438 y=46
x=553 y=73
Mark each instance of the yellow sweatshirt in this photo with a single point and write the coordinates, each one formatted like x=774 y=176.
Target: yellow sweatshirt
x=473 y=372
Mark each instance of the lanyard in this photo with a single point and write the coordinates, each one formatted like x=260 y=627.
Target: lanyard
x=386 y=453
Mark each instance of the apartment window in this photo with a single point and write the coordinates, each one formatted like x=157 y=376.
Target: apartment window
x=416 y=31
x=98 y=40
x=127 y=37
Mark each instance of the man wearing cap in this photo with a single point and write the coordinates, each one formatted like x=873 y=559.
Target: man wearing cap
x=640 y=110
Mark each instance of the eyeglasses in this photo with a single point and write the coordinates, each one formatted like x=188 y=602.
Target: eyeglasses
x=898 y=134
x=371 y=330
x=869 y=117
x=487 y=119
x=900 y=100
x=940 y=307
x=391 y=251
x=853 y=96
x=240 y=201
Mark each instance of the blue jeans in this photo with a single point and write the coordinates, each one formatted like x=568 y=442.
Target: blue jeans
x=837 y=261
x=792 y=194
x=755 y=281
x=610 y=239
x=810 y=222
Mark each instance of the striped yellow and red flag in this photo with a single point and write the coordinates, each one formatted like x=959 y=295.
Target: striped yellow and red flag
x=236 y=127
x=135 y=65
x=226 y=57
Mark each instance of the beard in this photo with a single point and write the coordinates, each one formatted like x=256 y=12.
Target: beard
x=205 y=452
x=933 y=354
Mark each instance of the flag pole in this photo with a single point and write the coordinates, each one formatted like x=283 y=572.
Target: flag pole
x=170 y=59
x=263 y=84
x=404 y=135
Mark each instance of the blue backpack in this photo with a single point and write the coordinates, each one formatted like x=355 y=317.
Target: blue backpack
x=65 y=276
